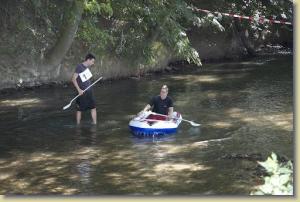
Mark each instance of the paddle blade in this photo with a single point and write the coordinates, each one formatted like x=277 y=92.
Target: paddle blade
x=194 y=124
x=67 y=106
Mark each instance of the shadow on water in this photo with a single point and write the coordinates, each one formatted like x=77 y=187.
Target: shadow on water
x=243 y=108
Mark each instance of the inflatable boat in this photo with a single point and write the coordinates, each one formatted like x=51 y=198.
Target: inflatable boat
x=149 y=124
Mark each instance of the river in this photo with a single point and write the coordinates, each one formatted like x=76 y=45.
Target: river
x=245 y=109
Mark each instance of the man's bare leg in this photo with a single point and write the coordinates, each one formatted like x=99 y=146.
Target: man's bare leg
x=94 y=115
x=78 y=117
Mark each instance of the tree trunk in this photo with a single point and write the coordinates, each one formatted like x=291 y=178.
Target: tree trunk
x=68 y=32
x=245 y=41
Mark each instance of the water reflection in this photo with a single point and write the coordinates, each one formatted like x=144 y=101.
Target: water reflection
x=194 y=131
x=153 y=139
x=85 y=136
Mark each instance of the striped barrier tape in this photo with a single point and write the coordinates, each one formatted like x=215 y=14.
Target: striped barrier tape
x=260 y=19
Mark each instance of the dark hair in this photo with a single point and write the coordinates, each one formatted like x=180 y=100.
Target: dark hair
x=89 y=56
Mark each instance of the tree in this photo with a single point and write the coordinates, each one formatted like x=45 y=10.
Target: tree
x=72 y=18
x=251 y=33
x=136 y=26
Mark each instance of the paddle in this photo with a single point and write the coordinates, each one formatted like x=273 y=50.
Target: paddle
x=191 y=122
x=68 y=105
x=154 y=120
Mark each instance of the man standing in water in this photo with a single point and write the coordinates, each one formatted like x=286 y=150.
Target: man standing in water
x=81 y=80
x=161 y=104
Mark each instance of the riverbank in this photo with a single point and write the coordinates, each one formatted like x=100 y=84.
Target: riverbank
x=172 y=68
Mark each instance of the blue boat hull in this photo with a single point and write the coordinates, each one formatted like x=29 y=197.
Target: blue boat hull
x=143 y=126
x=150 y=132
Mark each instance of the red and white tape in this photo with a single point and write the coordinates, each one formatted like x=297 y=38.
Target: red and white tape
x=260 y=19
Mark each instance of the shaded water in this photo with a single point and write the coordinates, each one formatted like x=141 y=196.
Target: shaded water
x=245 y=108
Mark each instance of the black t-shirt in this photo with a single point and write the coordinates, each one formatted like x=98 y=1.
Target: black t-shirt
x=161 y=106
x=82 y=85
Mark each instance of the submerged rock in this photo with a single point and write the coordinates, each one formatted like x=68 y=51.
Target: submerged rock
x=250 y=157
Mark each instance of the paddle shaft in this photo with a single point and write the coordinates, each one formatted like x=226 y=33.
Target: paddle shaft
x=166 y=115
x=155 y=120
x=87 y=88
x=68 y=105
x=191 y=122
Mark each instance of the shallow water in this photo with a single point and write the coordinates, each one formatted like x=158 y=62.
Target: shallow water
x=245 y=108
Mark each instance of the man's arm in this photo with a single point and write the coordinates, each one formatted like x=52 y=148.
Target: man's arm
x=147 y=108
x=170 y=113
x=171 y=109
x=74 y=77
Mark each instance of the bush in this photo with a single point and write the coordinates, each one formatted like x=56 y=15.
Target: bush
x=280 y=179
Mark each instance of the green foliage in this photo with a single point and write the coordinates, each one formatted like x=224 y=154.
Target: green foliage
x=95 y=38
x=280 y=181
x=130 y=29
x=134 y=26
x=176 y=37
x=257 y=32
x=90 y=30
x=94 y=7
x=271 y=9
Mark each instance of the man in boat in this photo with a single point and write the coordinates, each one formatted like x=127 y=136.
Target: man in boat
x=160 y=104
x=81 y=80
